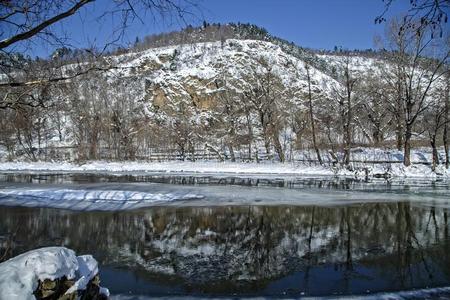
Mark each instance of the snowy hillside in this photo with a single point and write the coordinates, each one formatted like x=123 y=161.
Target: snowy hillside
x=229 y=96
x=200 y=72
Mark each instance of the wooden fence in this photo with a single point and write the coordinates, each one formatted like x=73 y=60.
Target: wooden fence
x=159 y=155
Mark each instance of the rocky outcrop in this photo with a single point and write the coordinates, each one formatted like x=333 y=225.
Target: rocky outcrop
x=60 y=289
x=51 y=273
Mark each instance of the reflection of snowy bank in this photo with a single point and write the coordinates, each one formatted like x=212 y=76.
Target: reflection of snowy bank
x=87 y=199
x=20 y=276
x=261 y=244
x=251 y=250
x=204 y=167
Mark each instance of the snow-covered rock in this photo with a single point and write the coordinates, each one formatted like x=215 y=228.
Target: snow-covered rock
x=20 y=276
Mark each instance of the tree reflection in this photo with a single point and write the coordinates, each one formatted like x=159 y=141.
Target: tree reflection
x=221 y=249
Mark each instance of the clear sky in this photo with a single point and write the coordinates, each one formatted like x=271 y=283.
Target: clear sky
x=319 y=24
x=309 y=23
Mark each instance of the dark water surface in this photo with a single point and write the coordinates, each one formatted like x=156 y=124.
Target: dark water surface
x=199 y=179
x=246 y=250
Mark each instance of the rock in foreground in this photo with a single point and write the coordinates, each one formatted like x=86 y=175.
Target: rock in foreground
x=51 y=273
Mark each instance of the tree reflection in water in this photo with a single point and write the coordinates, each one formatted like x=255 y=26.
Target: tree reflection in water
x=258 y=250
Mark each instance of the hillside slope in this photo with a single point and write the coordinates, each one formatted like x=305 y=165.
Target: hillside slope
x=240 y=95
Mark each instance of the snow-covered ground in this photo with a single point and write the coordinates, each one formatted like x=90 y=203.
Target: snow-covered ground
x=19 y=275
x=209 y=167
x=170 y=166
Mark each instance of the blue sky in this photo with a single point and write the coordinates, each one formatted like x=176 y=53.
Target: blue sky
x=310 y=23
x=318 y=24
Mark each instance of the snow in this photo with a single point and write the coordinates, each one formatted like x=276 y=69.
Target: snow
x=87 y=266
x=397 y=171
x=88 y=199
x=201 y=60
x=19 y=275
x=170 y=166
x=211 y=167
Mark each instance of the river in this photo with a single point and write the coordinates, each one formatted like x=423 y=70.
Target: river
x=238 y=237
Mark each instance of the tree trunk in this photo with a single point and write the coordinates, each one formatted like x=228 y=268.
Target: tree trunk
x=311 y=116
x=250 y=135
x=347 y=138
x=345 y=149
x=266 y=134
x=231 y=148
x=347 y=114
x=399 y=135
x=447 y=156
x=407 y=146
x=400 y=121
x=278 y=147
x=446 y=120
x=92 y=149
x=192 y=150
x=211 y=148
x=377 y=135
x=435 y=155
x=267 y=145
x=182 y=151
x=349 y=129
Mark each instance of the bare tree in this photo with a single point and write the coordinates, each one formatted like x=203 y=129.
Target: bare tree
x=229 y=111
x=446 y=122
x=345 y=95
x=311 y=114
x=434 y=120
x=415 y=75
x=265 y=96
x=25 y=22
x=420 y=15
x=375 y=119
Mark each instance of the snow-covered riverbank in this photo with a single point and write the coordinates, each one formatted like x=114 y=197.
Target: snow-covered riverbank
x=294 y=169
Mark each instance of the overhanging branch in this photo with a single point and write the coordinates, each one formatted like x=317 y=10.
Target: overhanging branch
x=35 y=30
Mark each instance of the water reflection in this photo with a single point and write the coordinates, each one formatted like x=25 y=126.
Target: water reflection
x=254 y=250
x=322 y=182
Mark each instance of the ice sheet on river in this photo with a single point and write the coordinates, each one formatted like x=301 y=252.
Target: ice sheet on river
x=80 y=199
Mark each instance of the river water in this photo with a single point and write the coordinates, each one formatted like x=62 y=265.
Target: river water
x=240 y=237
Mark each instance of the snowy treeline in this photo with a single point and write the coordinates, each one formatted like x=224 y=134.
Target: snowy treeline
x=231 y=90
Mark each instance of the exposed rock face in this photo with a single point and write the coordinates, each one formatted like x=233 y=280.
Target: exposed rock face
x=199 y=92
x=196 y=75
x=58 y=289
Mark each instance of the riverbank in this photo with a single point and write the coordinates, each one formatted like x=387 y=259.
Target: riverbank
x=368 y=170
